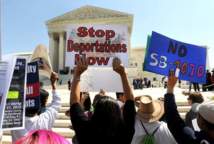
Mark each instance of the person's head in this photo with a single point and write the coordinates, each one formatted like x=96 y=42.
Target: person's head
x=96 y=98
x=43 y=97
x=102 y=92
x=195 y=98
x=107 y=115
x=42 y=137
x=86 y=101
x=120 y=96
x=31 y=112
x=150 y=110
x=205 y=117
x=41 y=84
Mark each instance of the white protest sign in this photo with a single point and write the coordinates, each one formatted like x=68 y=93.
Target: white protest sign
x=99 y=43
x=3 y=81
x=95 y=79
x=6 y=71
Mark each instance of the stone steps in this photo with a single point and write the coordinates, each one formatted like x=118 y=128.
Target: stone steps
x=183 y=109
x=62 y=116
x=63 y=123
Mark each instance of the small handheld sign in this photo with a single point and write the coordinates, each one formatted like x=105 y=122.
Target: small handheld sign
x=33 y=87
x=164 y=53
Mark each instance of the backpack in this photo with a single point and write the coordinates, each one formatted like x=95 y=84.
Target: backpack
x=148 y=138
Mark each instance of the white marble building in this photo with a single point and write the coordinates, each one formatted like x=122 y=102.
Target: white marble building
x=83 y=15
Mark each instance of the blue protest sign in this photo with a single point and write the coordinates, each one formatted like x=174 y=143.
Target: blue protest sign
x=164 y=54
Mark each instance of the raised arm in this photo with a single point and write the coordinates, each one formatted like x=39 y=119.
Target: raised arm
x=129 y=110
x=78 y=118
x=181 y=133
x=118 y=67
x=56 y=100
x=47 y=118
x=75 y=87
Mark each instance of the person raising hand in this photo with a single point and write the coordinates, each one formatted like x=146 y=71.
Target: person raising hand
x=108 y=125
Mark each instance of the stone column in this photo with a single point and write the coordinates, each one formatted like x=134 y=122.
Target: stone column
x=61 y=50
x=51 y=48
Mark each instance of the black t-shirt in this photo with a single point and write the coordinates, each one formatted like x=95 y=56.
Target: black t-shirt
x=88 y=133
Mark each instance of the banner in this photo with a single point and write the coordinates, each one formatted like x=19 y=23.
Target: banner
x=33 y=87
x=14 y=111
x=165 y=54
x=98 y=43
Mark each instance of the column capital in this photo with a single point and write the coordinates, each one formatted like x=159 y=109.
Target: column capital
x=50 y=34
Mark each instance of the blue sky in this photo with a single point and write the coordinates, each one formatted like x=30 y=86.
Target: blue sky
x=190 y=21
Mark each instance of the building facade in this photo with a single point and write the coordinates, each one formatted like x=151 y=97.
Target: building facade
x=82 y=16
x=92 y=15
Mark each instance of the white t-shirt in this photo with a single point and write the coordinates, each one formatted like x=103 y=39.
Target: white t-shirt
x=162 y=135
x=42 y=121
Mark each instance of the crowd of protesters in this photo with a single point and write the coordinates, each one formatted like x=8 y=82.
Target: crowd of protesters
x=140 y=83
x=124 y=120
x=208 y=86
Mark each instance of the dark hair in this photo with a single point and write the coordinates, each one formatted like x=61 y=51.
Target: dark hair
x=43 y=97
x=196 y=98
x=119 y=94
x=96 y=98
x=107 y=117
x=41 y=84
x=30 y=112
x=87 y=103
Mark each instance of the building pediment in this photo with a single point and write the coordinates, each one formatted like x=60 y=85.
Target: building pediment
x=90 y=13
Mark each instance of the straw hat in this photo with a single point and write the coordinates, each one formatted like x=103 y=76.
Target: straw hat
x=150 y=110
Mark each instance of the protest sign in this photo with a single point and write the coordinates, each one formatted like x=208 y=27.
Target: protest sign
x=6 y=71
x=3 y=88
x=165 y=54
x=3 y=73
x=98 y=43
x=33 y=86
x=95 y=79
x=14 y=111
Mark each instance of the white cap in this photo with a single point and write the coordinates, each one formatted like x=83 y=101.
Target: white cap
x=206 y=110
